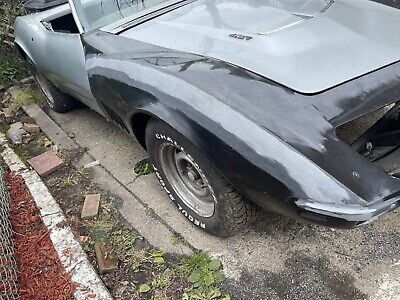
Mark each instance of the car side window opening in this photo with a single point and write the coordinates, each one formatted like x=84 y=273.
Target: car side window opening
x=94 y=14
x=63 y=24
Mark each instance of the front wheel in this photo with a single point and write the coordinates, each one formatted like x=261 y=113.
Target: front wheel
x=199 y=191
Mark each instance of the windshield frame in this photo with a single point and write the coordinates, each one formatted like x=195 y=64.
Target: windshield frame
x=118 y=25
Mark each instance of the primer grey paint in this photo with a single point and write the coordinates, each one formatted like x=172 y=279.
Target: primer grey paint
x=58 y=55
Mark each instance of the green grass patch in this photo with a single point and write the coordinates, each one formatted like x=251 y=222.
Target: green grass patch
x=205 y=275
x=68 y=181
x=25 y=97
x=150 y=212
x=177 y=239
x=143 y=167
x=193 y=278
x=22 y=153
x=4 y=127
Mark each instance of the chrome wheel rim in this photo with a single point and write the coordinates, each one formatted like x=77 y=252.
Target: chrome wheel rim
x=187 y=179
x=45 y=88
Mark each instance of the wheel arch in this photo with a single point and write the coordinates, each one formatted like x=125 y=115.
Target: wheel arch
x=22 y=53
x=139 y=123
x=207 y=142
x=140 y=119
x=23 y=31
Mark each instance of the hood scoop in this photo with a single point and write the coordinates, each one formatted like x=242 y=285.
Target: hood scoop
x=294 y=23
x=250 y=18
x=297 y=12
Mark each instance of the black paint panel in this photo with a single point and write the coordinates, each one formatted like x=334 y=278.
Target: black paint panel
x=276 y=146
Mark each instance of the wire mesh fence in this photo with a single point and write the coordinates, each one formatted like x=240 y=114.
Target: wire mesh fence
x=8 y=265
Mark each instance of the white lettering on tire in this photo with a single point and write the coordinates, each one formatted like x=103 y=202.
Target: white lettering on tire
x=193 y=220
x=160 y=136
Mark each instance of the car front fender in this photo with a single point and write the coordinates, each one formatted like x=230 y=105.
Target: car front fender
x=193 y=94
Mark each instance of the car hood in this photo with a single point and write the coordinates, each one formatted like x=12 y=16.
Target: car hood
x=307 y=46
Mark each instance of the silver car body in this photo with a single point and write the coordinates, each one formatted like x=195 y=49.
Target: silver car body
x=58 y=55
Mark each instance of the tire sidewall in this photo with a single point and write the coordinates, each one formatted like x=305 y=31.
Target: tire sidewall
x=40 y=81
x=159 y=133
x=61 y=102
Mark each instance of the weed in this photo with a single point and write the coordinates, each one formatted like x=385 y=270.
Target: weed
x=150 y=212
x=4 y=128
x=158 y=257
x=9 y=72
x=165 y=279
x=144 y=288
x=42 y=142
x=87 y=246
x=143 y=167
x=82 y=173
x=195 y=262
x=135 y=260
x=103 y=226
x=12 y=68
x=198 y=276
x=177 y=239
x=67 y=182
x=205 y=294
x=204 y=274
x=25 y=97
x=123 y=240
x=123 y=243
x=90 y=189
x=22 y=153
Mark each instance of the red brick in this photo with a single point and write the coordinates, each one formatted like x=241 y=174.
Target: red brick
x=31 y=128
x=107 y=262
x=90 y=206
x=46 y=163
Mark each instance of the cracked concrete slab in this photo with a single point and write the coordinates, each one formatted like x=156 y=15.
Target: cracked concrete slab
x=152 y=229
x=102 y=141
x=278 y=258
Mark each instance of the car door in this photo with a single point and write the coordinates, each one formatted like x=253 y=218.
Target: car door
x=67 y=65
x=62 y=58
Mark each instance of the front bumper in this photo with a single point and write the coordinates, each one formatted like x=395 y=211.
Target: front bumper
x=345 y=215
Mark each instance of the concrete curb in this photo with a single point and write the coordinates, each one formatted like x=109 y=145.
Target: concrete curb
x=70 y=252
x=53 y=131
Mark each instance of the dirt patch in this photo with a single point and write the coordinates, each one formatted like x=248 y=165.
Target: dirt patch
x=143 y=272
x=41 y=275
x=137 y=258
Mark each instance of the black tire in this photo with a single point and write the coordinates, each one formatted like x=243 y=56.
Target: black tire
x=231 y=211
x=58 y=101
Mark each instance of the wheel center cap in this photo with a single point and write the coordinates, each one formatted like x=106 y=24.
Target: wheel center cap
x=192 y=175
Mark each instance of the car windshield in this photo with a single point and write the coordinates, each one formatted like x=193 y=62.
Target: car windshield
x=94 y=14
